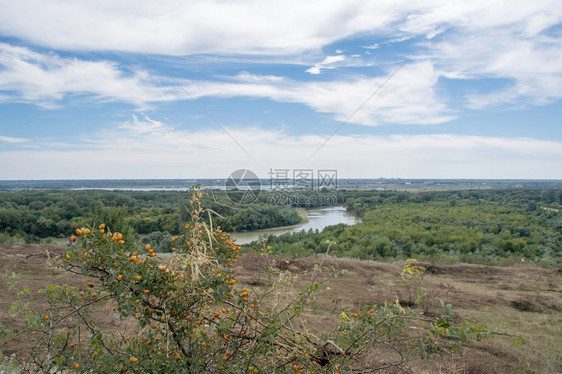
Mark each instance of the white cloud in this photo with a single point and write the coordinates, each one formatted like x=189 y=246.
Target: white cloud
x=434 y=31
x=146 y=148
x=408 y=98
x=46 y=79
x=501 y=40
x=247 y=77
x=462 y=39
x=535 y=69
x=372 y=46
x=246 y=27
x=180 y=27
x=327 y=63
x=398 y=40
x=9 y=139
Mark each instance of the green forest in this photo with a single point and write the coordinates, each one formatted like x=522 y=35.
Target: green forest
x=34 y=215
x=499 y=226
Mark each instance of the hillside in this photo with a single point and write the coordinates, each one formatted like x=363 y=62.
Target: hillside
x=523 y=300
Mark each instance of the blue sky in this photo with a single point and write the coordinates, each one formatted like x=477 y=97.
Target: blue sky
x=428 y=89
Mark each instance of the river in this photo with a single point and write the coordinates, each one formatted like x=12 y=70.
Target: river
x=317 y=220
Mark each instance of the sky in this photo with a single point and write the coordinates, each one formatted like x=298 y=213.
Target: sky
x=198 y=89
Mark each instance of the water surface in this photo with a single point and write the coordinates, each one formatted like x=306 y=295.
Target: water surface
x=318 y=219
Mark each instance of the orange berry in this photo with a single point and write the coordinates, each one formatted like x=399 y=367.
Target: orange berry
x=119 y=277
x=133 y=360
x=147 y=247
x=146 y=292
x=138 y=278
x=76 y=366
x=121 y=242
x=73 y=238
x=47 y=317
x=134 y=259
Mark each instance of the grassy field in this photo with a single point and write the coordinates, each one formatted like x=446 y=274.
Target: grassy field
x=521 y=301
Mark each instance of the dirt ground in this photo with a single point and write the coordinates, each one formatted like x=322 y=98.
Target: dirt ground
x=520 y=301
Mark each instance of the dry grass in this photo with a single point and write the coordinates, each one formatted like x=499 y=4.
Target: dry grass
x=522 y=300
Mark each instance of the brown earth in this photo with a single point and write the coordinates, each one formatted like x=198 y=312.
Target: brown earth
x=520 y=301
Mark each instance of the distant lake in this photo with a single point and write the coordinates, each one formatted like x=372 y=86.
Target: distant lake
x=318 y=219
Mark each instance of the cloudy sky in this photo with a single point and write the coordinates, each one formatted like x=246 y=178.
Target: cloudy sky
x=185 y=89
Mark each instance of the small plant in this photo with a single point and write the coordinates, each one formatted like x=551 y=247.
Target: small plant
x=410 y=273
x=412 y=294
